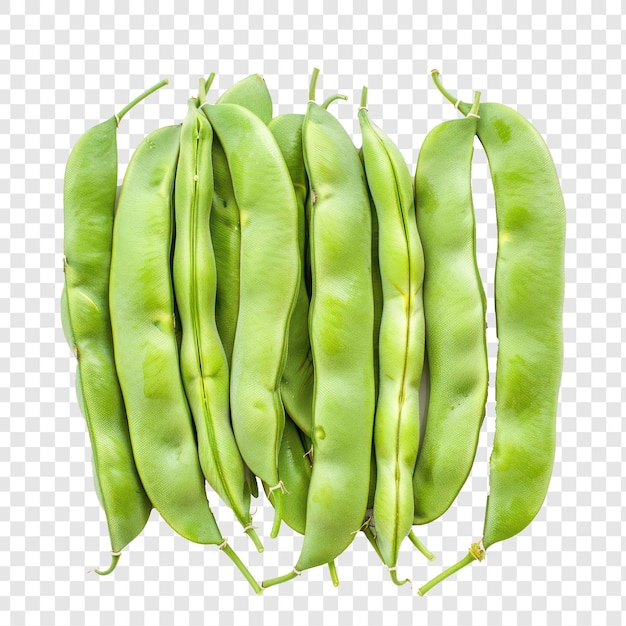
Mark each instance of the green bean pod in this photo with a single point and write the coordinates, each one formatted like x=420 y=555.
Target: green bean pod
x=251 y=93
x=454 y=302
x=529 y=288
x=529 y=309
x=142 y=304
x=294 y=469
x=203 y=362
x=90 y=188
x=146 y=352
x=377 y=286
x=268 y=283
x=297 y=383
x=401 y=338
x=368 y=527
x=341 y=322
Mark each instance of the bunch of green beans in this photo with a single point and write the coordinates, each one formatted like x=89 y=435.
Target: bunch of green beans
x=264 y=301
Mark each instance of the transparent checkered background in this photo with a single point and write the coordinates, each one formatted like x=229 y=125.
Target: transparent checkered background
x=62 y=70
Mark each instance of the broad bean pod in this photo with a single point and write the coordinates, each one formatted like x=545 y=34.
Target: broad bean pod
x=341 y=323
x=401 y=337
x=529 y=292
x=297 y=382
x=146 y=351
x=251 y=93
x=454 y=302
x=268 y=283
x=203 y=363
x=90 y=187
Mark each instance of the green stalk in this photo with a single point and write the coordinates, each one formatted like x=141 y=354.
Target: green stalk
x=232 y=555
x=330 y=99
x=421 y=547
x=138 y=99
x=333 y=573
x=464 y=107
x=476 y=553
x=312 y=84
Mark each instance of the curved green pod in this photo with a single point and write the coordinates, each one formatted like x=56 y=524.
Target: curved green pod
x=268 y=282
x=297 y=383
x=454 y=303
x=341 y=323
x=294 y=469
x=529 y=308
x=400 y=340
x=89 y=192
x=251 y=93
x=146 y=355
x=146 y=351
x=203 y=363
x=529 y=289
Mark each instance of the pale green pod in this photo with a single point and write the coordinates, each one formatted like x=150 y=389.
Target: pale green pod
x=401 y=337
x=454 y=301
x=294 y=468
x=297 y=382
x=268 y=282
x=89 y=206
x=529 y=290
x=146 y=353
x=341 y=323
x=251 y=93
x=204 y=367
x=341 y=326
x=529 y=287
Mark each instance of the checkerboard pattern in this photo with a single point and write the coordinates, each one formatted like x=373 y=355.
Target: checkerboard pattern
x=64 y=69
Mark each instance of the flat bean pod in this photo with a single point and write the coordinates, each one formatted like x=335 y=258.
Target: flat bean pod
x=89 y=205
x=341 y=322
x=529 y=306
x=251 y=93
x=294 y=468
x=454 y=301
x=297 y=383
x=146 y=352
x=401 y=338
x=268 y=283
x=204 y=367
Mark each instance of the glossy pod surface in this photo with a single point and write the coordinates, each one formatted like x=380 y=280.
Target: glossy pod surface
x=268 y=281
x=454 y=303
x=89 y=205
x=297 y=383
x=203 y=363
x=529 y=307
x=146 y=352
x=400 y=340
x=341 y=325
x=251 y=93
